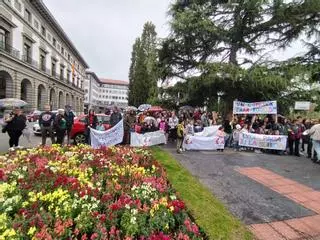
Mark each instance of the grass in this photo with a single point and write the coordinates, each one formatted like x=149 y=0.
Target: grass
x=208 y=212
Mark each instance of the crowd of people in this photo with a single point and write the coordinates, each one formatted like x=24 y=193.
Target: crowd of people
x=303 y=134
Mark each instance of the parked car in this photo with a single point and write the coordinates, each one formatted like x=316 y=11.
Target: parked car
x=78 y=130
x=33 y=116
x=36 y=127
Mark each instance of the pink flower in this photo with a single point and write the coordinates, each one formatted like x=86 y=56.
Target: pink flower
x=94 y=236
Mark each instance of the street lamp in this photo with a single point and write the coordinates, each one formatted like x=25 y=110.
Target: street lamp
x=220 y=94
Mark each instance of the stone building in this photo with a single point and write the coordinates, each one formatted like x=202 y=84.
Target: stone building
x=101 y=94
x=38 y=62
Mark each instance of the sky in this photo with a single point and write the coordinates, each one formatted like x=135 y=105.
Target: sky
x=104 y=30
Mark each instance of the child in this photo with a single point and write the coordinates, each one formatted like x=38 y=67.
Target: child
x=190 y=128
x=236 y=135
x=180 y=135
x=100 y=126
x=163 y=126
x=221 y=134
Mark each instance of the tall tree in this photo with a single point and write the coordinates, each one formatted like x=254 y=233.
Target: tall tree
x=222 y=44
x=143 y=73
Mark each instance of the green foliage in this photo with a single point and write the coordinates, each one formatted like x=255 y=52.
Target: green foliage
x=211 y=39
x=143 y=73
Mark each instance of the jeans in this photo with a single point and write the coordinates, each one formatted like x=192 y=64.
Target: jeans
x=316 y=146
x=14 y=137
x=47 y=131
x=60 y=136
x=236 y=145
x=296 y=144
x=179 y=143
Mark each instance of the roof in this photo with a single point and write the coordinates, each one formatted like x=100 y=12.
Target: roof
x=44 y=11
x=114 y=82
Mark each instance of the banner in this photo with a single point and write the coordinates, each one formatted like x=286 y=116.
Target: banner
x=275 y=142
x=208 y=131
x=107 y=138
x=302 y=106
x=267 y=107
x=147 y=139
x=203 y=143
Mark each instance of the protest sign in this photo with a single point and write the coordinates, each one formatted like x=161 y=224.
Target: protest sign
x=275 y=142
x=267 y=107
x=208 y=131
x=299 y=105
x=107 y=138
x=147 y=139
x=203 y=143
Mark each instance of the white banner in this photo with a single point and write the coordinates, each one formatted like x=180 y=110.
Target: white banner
x=107 y=138
x=203 y=143
x=302 y=106
x=147 y=139
x=275 y=142
x=208 y=131
x=267 y=107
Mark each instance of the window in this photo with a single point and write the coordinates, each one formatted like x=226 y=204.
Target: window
x=68 y=57
x=3 y=38
x=61 y=72
x=36 y=24
x=69 y=75
x=62 y=50
x=43 y=60
x=53 y=67
x=54 y=42
x=43 y=31
x=27 y=15
x=27 y=53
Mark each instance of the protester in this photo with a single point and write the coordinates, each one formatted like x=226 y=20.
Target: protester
x=228 y=133
x=173 y=123
x=69 y=117
x=235 y=136
x=116 y=117
x=315 y=136
x=295 y=133
x=90 y=122
x=129 y=125
x=46 y=120
x=180 y=135
x=16 y=123
x=221 y=134
x=100 y=126
x=204 y=120
x=190 y=127
x=60 y=125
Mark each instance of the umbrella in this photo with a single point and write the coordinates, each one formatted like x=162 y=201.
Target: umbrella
x=12 y=103
x=144 y=107
x=131 y=108
x=149 y=119
x=187 y=108
x=155 y=109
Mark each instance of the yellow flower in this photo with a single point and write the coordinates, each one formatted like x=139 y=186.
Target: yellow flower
x=31 y=231
x=171 y=208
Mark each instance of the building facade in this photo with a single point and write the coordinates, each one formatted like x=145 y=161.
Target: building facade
x=101 y=94
x=38 y=62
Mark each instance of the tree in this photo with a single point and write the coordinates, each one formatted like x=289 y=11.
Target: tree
x=143 y=73
x=223 y=45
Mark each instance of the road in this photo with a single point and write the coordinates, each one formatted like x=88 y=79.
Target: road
x=4 y=140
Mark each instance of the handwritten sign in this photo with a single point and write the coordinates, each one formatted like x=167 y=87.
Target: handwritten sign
x=275 y=142
x=267 y=107
x=147 y=139
x=203 y=143
x=107 y=138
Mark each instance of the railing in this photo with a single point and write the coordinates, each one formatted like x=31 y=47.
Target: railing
x=4 y=47
x=10 y=50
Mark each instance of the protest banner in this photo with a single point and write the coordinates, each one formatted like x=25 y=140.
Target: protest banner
x=203 y=143
x=267 y=107
x=274 y=142
x=208 y=131
x=300 y=105
x=147 y=139
x=107 y=138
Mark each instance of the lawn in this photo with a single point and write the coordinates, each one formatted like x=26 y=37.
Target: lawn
x=209 y=213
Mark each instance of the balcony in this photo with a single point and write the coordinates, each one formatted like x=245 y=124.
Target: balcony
x=9 y=50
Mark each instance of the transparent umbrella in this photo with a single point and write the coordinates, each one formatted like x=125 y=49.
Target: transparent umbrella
x=12 y=103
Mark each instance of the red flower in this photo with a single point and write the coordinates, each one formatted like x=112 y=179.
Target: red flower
x=3 y=176
x=84 y=237
x=94 y=236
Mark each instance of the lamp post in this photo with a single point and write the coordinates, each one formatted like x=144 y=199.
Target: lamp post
x=220 y=94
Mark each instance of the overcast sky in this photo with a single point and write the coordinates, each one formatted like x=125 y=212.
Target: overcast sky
x=104 y=30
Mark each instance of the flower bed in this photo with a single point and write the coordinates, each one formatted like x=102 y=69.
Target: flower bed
x=80 y=193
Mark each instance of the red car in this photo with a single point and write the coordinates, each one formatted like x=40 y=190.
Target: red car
x=78 y=130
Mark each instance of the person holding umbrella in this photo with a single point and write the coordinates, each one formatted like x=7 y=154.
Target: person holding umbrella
x=16 y=122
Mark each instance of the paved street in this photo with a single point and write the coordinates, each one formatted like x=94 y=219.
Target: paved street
x=4 y=140
x=259 y=188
